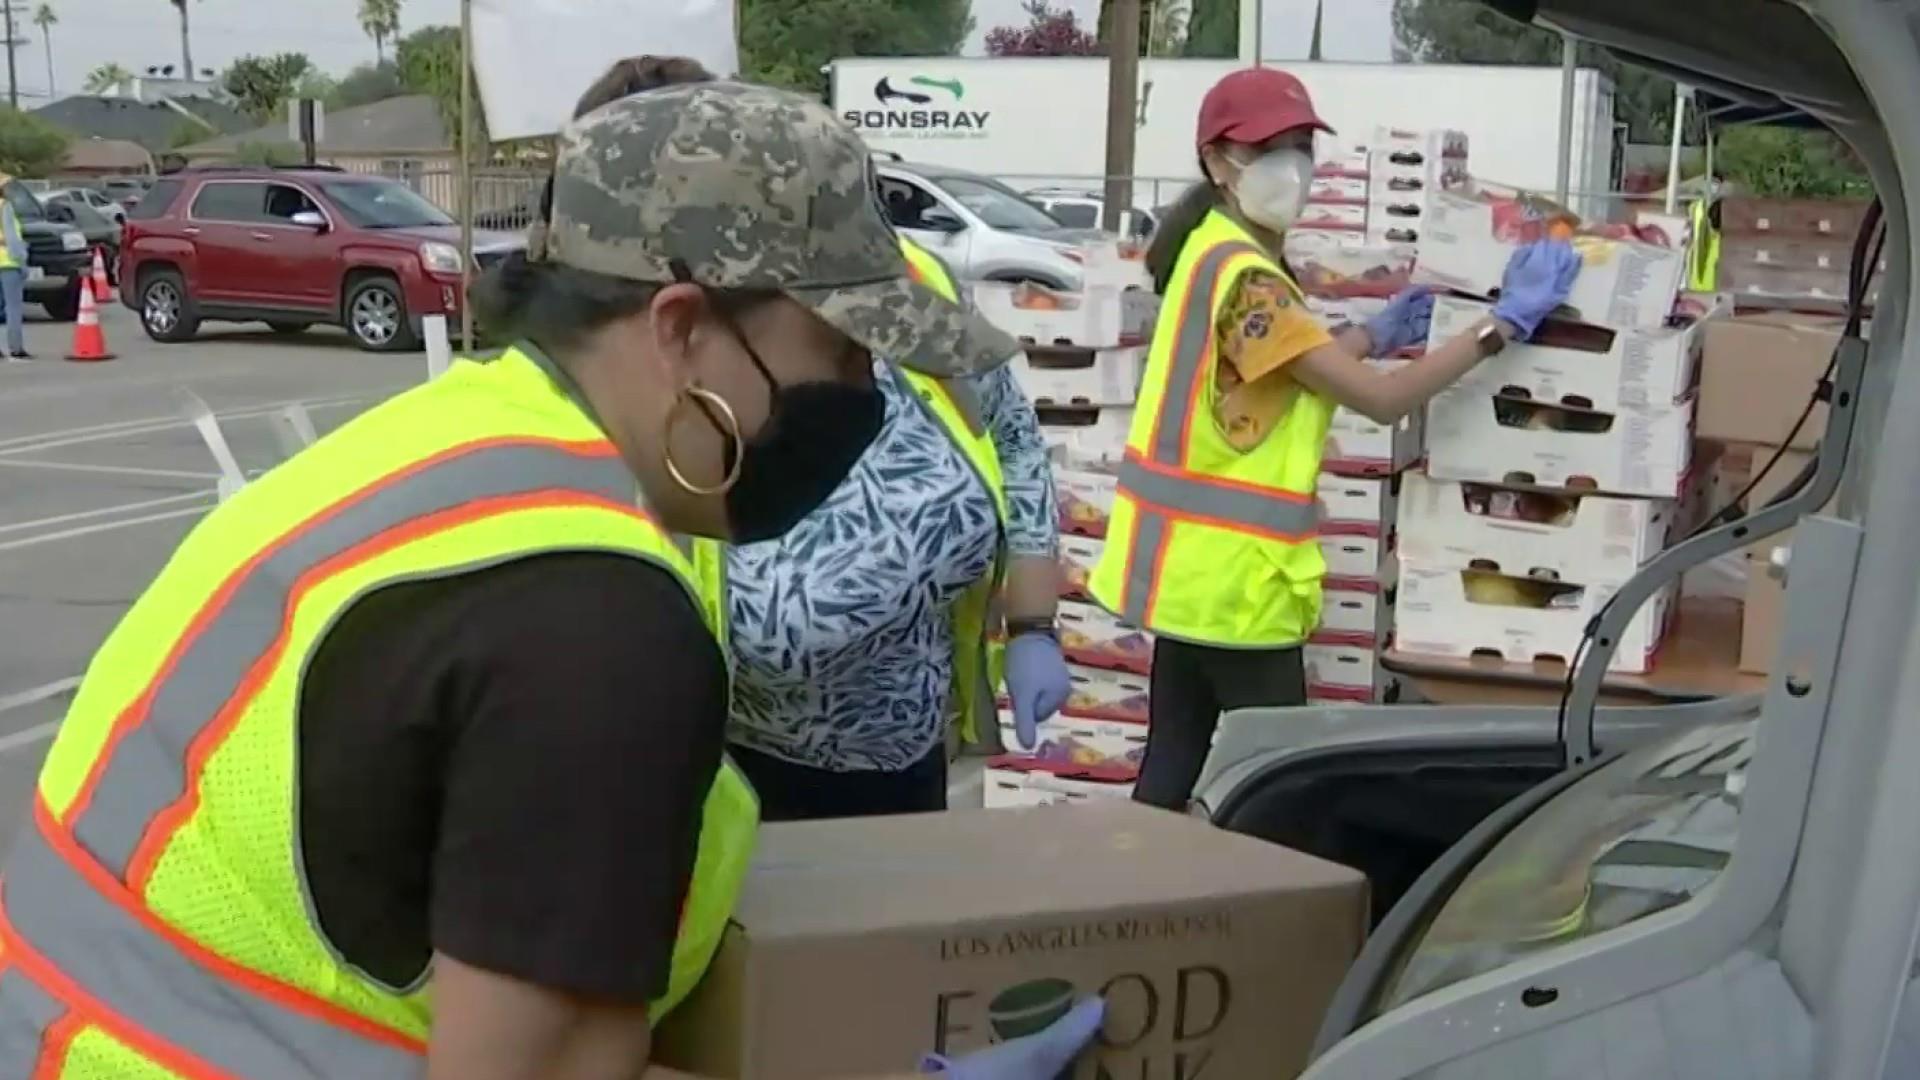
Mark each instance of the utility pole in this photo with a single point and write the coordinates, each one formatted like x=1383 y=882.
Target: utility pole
x=13 y=44
x=1123 y=88
x=466 y=174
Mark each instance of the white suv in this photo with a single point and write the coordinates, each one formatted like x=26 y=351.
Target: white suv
x=983 y=229
x=1084 y=209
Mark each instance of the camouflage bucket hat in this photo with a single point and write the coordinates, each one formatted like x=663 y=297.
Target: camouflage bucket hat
x=748 y=187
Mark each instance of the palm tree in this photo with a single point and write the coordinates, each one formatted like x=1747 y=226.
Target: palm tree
x=380 y=19
x=186 y=39
x=106 y=78
x=44 y=18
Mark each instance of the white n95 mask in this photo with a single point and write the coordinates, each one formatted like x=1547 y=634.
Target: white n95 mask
x=1273 y=187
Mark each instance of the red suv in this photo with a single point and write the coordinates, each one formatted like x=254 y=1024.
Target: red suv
x=291 y=248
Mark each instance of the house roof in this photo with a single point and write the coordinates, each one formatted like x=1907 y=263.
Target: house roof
x=108 y=155
x=152 y=124
x=410 y=122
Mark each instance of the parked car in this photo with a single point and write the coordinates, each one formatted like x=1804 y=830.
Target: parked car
x=295 y=247
x=127 y=190
x=984 y=229
x=102 y=232
x=90 y=197
x=1085 y=209
x=57 y=255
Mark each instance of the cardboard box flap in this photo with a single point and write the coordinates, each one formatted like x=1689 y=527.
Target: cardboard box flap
x=835 y=877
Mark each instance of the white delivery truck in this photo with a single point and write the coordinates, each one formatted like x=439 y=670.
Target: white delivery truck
x=1040 y=121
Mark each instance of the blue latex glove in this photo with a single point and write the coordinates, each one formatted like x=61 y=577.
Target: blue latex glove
x=1537 y=280
x=1036 y=1057
x=1404 y=322
x=1037 y=682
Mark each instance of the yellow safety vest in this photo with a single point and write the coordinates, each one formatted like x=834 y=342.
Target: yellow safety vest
x=1208 y=543
x=979 y=633
x=1703 y=256
x=154 y=916
x=9 y=227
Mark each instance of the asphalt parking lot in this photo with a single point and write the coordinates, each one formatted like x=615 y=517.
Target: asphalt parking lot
x=102 y=473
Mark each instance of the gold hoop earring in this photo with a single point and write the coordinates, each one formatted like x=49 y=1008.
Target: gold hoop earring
x=711 y=404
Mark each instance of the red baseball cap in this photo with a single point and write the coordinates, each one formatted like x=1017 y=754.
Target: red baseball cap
x=1254 y=105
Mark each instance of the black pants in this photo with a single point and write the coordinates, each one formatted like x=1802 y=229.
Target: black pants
x=1192 y=686
x=790 y=792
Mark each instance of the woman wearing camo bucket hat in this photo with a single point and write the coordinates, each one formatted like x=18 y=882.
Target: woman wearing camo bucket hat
x=373 y=782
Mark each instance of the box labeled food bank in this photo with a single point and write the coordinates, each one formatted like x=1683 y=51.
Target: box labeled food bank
x=1466 y=242
x=1097 y=319
x=1582 y=366
x=859 y=945
x=1510 y=436
x=1531 y=532
x=1081 y=377
x=1457 y=612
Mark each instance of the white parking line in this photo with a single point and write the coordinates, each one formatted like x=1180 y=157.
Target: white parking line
x=53 y=440
x=26 y=737
x=122 y=508
x=108 y=526
x=37 y=694
x=130 y=470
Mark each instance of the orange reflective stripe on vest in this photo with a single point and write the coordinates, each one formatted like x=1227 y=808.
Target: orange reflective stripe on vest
x=1162 y=487
x=76 y=924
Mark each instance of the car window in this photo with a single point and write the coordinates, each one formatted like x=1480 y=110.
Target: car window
x=26 y=206
x=285 y=200
x=157 y=201
x=1075 y=215
x=383 y=204
x=231 y=202
x=1641 y=835
x=87 y=219
x=997 y=204
x=906 y=202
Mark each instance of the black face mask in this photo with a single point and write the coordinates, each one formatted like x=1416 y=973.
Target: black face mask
x=814 y=433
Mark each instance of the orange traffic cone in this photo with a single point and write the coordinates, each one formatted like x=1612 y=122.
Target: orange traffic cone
x=102 y=288
x=89 y=341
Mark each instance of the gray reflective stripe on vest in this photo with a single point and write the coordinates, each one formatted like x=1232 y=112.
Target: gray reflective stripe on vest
x=26 y=1012
x=1191 y=349
x=1293 y=518
x=1150 y=535
x=148 y=769
x=141 y=978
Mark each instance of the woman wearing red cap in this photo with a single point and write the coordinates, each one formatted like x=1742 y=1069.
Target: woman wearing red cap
x=1212 y=544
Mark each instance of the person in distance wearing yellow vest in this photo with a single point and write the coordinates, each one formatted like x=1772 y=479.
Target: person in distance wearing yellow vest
x=1212 y=544
x=13 y=274
x=409 y=764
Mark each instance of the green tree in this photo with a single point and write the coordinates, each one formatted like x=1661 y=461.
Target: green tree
x=45 y=18
x=267 y=153
x=1213 y=30
x=1466 y=32
x=365 y=85
x=428 y=62
x=1783 y=163
x=380 y=20
x=261 y=85
x=107 y=78
x=29 y=146
x=787 y=42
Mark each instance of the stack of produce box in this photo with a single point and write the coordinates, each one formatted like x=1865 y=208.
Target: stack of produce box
x=1085 y=356
x=1557 y=468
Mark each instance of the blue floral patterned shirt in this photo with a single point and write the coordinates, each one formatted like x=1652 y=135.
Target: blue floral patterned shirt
x=841 y=629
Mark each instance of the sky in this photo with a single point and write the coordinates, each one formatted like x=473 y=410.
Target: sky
x=144 y=33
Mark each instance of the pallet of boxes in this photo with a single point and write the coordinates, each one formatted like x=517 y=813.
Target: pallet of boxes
x=1085 y=355
x=1557 y=468
x=1356 y=246
x=1784 y=263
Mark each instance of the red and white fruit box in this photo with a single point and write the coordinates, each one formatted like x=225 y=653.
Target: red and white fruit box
x=1084 y=437
x=1547 y=533
x=1079 y=742
x=1342 y=671
x=1078 y=557
x=1511 y=437
x=1039 y=316
x=1014 y=781
x=1357 y=504
x=1460 y=613
x=1085 y=499
x=1092 y=636
x=1081 y=377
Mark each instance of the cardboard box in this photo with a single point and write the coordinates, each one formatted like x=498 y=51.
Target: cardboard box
x=1427 y=142
x=1078 y=556
x=1353 y=555
x=1394 y=234
x=1087 y=438
x=1076 y=377
x=1355 y=614
x=1356 y=446
x=1622 y=284
x=1085 y=499
x=1118 y=265
x=1013 y=782
x=1754 y=285
x=859 y=945
x=1097 y=318
x=1322 y=215
x=1329 y=268
x=1364 y=504
x=1756 y=374
x=1588 y=367
x=1341 y=161
x=1810 y=219
x=1531 y=532
x=1095 y=637
x=1069 y=739
x=1502 y=439
x=1343 y=672
x=1397 y=208
x=1743 y=460
x=1450 y=611
x=1766 y=601
x=1329 y=235
x=1337 y=187
x=1335 y=311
